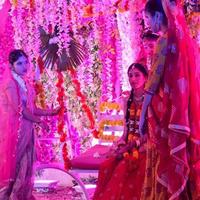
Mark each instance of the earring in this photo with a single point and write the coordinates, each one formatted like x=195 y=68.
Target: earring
x=157 y=25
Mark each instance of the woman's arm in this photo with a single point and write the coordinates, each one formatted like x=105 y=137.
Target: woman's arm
x=146 y=102
x=154 y=79
x=46 y=112
x=27 y=114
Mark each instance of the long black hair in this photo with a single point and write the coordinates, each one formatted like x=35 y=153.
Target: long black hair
x=15 y=54
x=153 y=6
x=143 y=70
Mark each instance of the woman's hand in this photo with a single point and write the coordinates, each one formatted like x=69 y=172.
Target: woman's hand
x=122 y=150
x=115 y=147
x=120 y=142
x=44 y=125
x=55 y=111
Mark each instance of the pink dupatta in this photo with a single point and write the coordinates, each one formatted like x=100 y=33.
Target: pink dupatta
x=9 y=126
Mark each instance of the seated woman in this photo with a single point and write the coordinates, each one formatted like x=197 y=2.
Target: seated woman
x=121 y=176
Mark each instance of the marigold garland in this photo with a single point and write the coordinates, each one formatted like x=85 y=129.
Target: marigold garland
x=84 y=106
x=32 y=4
x=61 y=122
x=40 y=94
x=107 y=122
x=134 y=155
x=109 y=106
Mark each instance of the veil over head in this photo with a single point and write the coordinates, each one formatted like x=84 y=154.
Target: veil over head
x=183 y=61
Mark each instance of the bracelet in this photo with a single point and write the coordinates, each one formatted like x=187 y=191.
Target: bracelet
x=137 y=143
x=148 y=92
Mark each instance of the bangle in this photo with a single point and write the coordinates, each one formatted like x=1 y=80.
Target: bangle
x=137 y=143
x=148 y=92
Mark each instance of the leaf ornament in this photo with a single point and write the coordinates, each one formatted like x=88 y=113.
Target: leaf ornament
x=69 y=58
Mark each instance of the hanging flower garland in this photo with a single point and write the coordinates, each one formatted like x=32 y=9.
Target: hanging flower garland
x=103 y=22
x=107 y=122
x=84 y=105
x=40 y=93
x=6 y=43
x=136 y=17
x=109 y=106
x=124 y=28
x=61 y=121
x=193 y=20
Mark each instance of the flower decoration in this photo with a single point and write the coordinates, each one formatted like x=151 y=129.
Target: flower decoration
x=107 y=122
x=109 y=106
x=82 y=98
x=134 y=155
x=39 y=89
x=1 y=3
x=88 y=11
x=193 y=20
x=61 y=120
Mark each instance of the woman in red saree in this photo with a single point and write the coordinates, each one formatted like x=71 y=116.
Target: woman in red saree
x=122 y=175
x=172 y=97
x=18 y=114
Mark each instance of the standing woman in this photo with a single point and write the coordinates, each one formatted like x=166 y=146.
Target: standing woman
x=121 y=176
x=172 y=97
x=18 y=114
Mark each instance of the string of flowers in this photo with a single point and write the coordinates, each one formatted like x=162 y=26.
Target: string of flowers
x=62 y=23
x=16 y=10
x=84 y=105
x=103 y=39
x=108 y=122
x=193 y=20
x=6 y=44
x=61 y=121
x=126 y=49
x=136 y=10
x=109 y=106
x=40 y=93
x=118 y=49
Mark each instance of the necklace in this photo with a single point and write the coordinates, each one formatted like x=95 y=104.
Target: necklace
x=140 y=98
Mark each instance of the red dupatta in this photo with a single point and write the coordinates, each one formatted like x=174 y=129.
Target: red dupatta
x=182 y=76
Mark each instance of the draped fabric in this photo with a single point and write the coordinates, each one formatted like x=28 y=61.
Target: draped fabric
x=16 y=141
x=174 y=122
x=9 y=125
x=121 y=179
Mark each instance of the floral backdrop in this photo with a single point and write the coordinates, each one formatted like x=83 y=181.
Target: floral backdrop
x=79 y=52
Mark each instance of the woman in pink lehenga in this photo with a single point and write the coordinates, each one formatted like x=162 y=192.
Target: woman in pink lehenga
x=172 y=98
x=18 y=114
